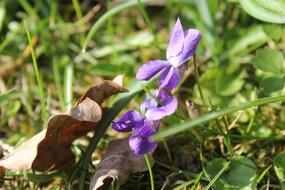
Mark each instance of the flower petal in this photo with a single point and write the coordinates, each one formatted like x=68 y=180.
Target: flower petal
x=175 y=44
x=141 y=146
x=139 y=141
x=148 y=70
x=191 y=41
x=169 y=107
x=131 y=119
x=169 y=78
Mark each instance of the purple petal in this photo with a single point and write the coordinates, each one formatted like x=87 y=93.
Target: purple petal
x=191 y=41
x=169 y=78
x=141 y=146
x=176 y=41
x=153 y=124
x=169 y=107
x=139 y=142
x=148 y=70
x=131 y=119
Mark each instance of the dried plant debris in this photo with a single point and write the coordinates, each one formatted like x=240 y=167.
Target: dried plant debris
x=117 y=165
x=51 y=148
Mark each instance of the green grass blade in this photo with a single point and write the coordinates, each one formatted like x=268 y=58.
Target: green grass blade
x=103 y=19
x=7 y=95
x=217 y=176
x=205 y=14
x=77 y=8
x=27 y=7
x=58 y=84
x=197 y=180
x=41 y=178
x=38 y=76
x=184 y=185
x=149 y=171
x=212 y=116
x=146 y=17
x=68 y=87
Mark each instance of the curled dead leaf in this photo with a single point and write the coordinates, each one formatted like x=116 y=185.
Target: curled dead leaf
x=51 y=148
x=119 y=79
x=117 y=165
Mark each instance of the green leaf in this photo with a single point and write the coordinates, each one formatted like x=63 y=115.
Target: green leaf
x=279 y=166
x=260 y=131
x=272 y=84
x=273 y=31
x=269 y=60
x=13 y=108
x=229 y=84
x=268 y=11
x=140 y=39
x=251 y=40
x=223 y=82
x=241 y=174
x=7 y=96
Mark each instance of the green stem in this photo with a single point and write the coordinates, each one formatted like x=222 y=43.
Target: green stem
x=79 y=16
x=197 y=180
x=149 y=171
x=68 y=87
x=77 y=9
x=198 y=82
x=38 y=77
x=57 y=79
x=188 y=124
x=146 y=17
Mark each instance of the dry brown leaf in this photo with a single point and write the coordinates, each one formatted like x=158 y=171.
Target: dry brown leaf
x=118 y=164
x=50 y=149
x=119 y=79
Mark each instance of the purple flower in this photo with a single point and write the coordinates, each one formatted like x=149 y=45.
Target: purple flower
x=165 y=105
x=182 y=46
x=130 y=120
x=144 y=125
x=140 y=141
x=142 y=129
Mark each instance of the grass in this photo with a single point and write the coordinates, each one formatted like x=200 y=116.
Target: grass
x=37 y=73
x=229 y=114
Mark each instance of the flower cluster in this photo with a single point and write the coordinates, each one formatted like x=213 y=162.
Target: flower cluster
x=182 y=46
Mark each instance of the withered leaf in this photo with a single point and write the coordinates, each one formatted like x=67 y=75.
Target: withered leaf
x=118 y=164
x=50 y=149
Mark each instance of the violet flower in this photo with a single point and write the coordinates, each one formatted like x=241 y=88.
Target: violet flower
x=142 y=129
x=182 y=46
x=144 y=125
